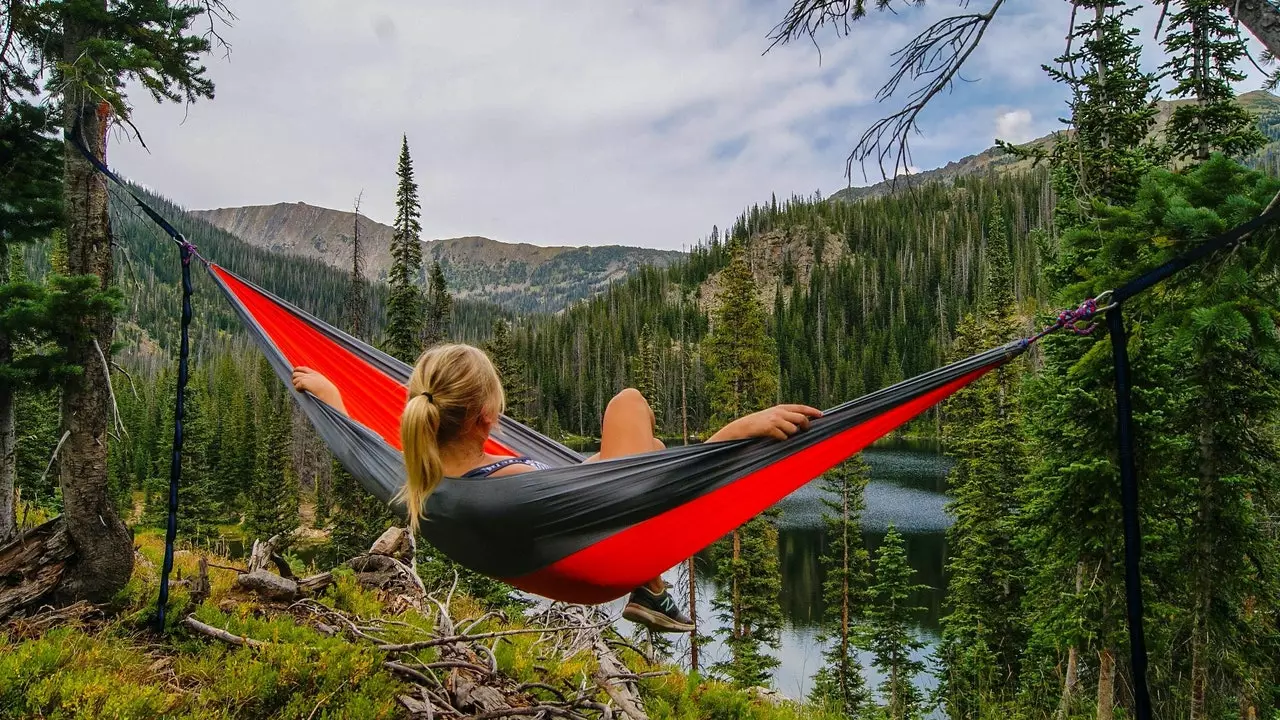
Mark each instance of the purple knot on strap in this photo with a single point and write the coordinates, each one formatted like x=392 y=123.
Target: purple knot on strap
x=190 y=250
x=1070 y=320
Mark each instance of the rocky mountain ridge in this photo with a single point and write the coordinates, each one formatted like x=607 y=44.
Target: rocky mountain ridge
x=518 y=276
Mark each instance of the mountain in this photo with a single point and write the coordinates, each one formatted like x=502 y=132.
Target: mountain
x=517 y=276
x=1263 y=104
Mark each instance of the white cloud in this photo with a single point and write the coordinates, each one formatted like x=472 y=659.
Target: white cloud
x=1015 y=126
x=560 y=122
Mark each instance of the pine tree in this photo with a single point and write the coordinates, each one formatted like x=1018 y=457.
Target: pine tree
x=891 y=617
x=272 y=502
x=839 y=684
x=1068 y=527
x=355 y=306
x=738 y=350
x=1113 y=109
x=405 y=305
x=511 y=369
x=86 y=54
x=1205 y=361
x=744 y=379
x=198 y=518
x=747 y=601
x=644 y=371
x=1205 y=50
x=439 y=308
x=983 y=634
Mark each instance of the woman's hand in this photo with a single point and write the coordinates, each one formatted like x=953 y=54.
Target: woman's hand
x=779 y=421
x=307 y=380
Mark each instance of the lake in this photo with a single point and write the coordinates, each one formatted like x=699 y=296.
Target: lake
x=906 y=490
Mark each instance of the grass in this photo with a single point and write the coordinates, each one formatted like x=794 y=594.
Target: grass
x=119 y=668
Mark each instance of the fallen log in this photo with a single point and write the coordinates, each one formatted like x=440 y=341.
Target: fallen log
x=31 y=565
x=315 y=583
x=268 y=585
x=191 y=623
x=38 y=623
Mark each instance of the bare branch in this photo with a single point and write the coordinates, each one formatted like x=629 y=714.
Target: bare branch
x=111 y=393
x=934 y=57
x=192 y=623
x=409 y=647
x=936 y=54
x=806 y=18
x=54 y=456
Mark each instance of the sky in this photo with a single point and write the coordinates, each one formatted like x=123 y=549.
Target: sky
x=572 y=122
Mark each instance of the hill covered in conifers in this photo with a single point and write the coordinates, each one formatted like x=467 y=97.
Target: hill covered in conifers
x=1260 y=102
x=517 y=276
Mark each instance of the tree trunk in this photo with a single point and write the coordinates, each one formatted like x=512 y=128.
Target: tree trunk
x=844 y=594
x=8 y=462
x=1106 y=684
x=737 y=603
x=693 y=615
x=104 y=546
x=8 y=435
x=1073 y=661
x=1203 y=561
x=1261 y=18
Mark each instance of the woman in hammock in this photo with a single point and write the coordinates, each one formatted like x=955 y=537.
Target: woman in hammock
x=455 y=400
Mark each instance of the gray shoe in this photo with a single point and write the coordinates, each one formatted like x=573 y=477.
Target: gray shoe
x=657 y=612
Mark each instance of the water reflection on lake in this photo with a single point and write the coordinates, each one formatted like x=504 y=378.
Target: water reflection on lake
x=907 y=482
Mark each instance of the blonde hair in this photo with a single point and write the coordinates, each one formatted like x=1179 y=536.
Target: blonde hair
x=451 y=388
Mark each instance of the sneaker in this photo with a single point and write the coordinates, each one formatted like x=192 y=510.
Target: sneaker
x=656 y=612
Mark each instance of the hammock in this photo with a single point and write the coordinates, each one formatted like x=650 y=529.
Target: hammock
x=577 y=532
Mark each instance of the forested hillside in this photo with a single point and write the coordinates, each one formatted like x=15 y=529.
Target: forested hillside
x=517 y=276
x=152 y=276
x=1262 y=104
x=861 y=295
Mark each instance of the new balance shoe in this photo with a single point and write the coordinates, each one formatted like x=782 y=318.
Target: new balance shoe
x=656 y=611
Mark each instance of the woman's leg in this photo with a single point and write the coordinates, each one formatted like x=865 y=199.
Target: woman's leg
x=628 y=426
x=628 y=430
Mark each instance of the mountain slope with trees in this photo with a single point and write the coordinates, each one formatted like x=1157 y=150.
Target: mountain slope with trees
x=517 y=276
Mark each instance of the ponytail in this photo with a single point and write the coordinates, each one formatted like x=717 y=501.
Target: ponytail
x=451 y=387
x=419 y=438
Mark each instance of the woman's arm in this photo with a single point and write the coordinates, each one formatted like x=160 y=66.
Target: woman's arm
x=306 y=379
x=779 y=421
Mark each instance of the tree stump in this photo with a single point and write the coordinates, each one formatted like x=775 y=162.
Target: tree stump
x=32 y=565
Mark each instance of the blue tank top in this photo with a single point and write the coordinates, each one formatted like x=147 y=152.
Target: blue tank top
x=491 y=468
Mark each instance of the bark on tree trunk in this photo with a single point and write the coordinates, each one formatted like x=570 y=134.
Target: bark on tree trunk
x=1203 y=562
x=8 y=461
x=737 y=606
x=693 y=615
x=1261 y=18
x=1106 y=684
x=8 y=435
x=844 y=593
x=104 y=546
x=1073 y=661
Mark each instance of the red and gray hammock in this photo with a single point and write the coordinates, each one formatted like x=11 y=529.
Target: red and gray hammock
x=577 y=532
x=590 y=532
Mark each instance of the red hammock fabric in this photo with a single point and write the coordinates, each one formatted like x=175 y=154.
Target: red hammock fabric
x=371 y=397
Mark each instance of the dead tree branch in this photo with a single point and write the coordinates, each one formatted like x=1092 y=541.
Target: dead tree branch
x=932 y=58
